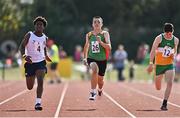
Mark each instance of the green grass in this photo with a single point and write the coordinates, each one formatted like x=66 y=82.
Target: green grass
x=140 y=73
x=11 y=74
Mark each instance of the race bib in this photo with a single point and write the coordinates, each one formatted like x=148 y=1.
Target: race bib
x=167 y=51
x=95 y=47
x=37 y=46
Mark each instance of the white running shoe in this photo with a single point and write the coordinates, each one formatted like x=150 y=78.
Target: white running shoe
x=92 y=96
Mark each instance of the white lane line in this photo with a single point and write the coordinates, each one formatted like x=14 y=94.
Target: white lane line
x=149 y=95
x=116 y=103
x=61 y=100
x=16 y=95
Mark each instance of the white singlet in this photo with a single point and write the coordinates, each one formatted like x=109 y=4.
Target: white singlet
x=35 y=47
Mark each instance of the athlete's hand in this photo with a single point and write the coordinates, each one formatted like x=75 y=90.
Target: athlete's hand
x=98 y=38
x=85 y=62
x=172 y=56
x=150 y=68
x=28 y=59
x=48 y=59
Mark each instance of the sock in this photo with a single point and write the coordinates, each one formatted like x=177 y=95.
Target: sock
x=38 y=100
x=100 y=89
x=164 y=102
x=93 y=90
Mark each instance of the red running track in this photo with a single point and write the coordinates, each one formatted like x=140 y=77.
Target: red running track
x=70 y=99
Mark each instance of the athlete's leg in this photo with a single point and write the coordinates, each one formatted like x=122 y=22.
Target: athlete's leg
x=100 y=82
x=30 y=82
x=94 y=80
x=40 y=77
x=158 y=79
x=169 y=75
x=95 y=71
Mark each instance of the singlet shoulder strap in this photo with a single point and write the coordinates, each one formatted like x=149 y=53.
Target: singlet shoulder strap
x=90 y=34
x=30 y=32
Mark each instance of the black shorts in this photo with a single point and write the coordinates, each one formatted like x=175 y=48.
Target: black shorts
x=30 y=69
x=53 y=66
x=101 y=65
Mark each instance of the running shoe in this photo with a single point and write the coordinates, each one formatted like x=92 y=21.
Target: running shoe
x=92 y=96
x=164 y=107
x=38 y=107
x=99 y=93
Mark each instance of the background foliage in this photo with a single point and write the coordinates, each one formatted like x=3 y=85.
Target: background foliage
x=130 y=22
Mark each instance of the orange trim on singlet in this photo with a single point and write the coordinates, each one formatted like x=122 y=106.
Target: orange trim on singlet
x=160 y=60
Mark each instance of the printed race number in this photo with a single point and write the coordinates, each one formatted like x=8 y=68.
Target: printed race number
x=37 y=46
x=95 y=47
x=39 y=49
x=167 y=51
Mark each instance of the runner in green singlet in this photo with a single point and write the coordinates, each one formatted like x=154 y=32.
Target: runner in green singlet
x=96 y=52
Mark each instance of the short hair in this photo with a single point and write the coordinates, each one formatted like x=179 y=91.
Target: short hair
x=98 y=17
x=168 y=27
x=42 y=19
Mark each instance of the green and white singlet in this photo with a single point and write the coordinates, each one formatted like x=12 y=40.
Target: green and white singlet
x=96 y=51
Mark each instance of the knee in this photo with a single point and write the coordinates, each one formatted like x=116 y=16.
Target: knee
x=170 y=83
x=158 y=88
x=29 y=87
x=94 y=68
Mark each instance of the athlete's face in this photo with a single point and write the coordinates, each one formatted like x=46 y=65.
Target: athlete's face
x=97 y=23
x=168 y=34
x=39 y=26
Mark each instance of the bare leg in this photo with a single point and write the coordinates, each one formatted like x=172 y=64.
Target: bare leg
x=40 y=76
x=100 y=82
x=94 y=79
x=158 y=81
x=30 y=82
x=170 y=74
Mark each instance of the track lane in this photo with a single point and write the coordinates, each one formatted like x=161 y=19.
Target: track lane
x=23 y=106
x=139 y=104
x=76 y=103
x=11 y=90
x=150 y=89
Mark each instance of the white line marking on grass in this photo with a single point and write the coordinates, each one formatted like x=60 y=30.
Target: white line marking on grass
x=61 y=100
x=16 y=95
x=116 y=103
x=149 y=95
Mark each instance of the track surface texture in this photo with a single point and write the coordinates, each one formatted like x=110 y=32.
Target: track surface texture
x=70 y=99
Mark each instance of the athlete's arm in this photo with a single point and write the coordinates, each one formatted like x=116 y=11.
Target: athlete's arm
x=45 y=48
x=22 y=48
x=24 y=43
x=86 y=47
x=152 y=53
x=45 y=52
x=176 y=45
x=154 y=47
x=106 y=45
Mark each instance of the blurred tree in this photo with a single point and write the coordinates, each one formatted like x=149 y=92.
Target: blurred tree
x=10 y=18
x=130 y=22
